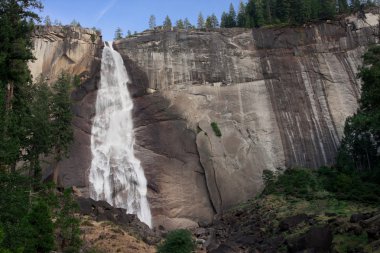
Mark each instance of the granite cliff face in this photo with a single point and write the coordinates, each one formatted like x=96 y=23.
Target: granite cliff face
x=76 y=51
x=280 y=97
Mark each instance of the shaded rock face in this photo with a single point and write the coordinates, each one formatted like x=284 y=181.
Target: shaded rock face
x=76 y=51
x=279 y=96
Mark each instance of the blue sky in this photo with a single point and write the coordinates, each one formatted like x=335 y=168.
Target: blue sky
x=130 y=14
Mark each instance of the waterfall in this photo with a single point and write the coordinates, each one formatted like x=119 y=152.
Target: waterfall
x=116 y=175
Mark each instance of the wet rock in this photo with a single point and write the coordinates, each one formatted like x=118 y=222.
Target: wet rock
x=359 y=217
x=317 y=239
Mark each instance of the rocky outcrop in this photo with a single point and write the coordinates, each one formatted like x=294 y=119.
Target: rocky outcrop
x=280 y=97
x=76 y=51
x=102 y=211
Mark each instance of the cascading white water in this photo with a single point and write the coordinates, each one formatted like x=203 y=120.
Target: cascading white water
x=116 y=175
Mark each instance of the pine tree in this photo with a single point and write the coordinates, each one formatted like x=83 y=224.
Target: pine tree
x=224 y=20
x=40 y=236
x=68 y=223
x=75 y=23
x=167 y=23
x=231 y=20
x=327 y=9
x=17 y=22
x=152 y=22
x=241 y=17
x=208 y=23
x=180 y=24
x=129 y=33
x=47 y=21
x=118 y=34
x=214 y=21
x=359 y=148
x=61 y=114
x=282 y=10
x=40 y=137
x=187 y=24
x=201 y=21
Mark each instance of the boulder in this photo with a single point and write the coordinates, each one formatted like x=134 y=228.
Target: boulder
x=317 y=239
x=293 y=221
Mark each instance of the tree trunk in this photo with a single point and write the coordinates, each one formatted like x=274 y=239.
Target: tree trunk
x=9 y=96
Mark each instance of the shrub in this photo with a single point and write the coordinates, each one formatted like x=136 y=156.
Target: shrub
x=295 y=182
x=177 y=241
x=216 y=129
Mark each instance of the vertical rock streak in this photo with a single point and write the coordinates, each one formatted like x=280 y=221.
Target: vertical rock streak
x=116 y=175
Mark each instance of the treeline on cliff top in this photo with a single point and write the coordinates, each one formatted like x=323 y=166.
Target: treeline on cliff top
x=257 y=13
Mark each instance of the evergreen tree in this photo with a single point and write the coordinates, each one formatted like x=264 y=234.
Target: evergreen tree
x=208 y=23
x=342 y=6
x=39 y=140
x=129 y=33
x=47 y=21
x=167 y=23
x=14 y=206
x=75 y=23
x=241 y=17
x=39 y=237
x=327 y=9
x=359 y=149
x=187 y=24
x=231 y=16
x=17 y=22
x=180 y=24
x=61 y=114
x=224 y=20
x=283 y=9
x=214 y=21
x=152 y=22
x=68 y=223
x=118 y=34
x=201 y=21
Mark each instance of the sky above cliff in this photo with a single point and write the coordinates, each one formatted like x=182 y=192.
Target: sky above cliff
x=131 y=15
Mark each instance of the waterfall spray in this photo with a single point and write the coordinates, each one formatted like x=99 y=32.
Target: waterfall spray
x=116 y=175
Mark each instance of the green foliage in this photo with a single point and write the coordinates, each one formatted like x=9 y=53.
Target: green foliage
x=68 y=224
x=62 y=132
x=93 y=38
x=14 y=206
x=39 y=237
x=216 y=129
x=300 y=183
x=179 y=24
x=228 y=20
x=212 y=21
x=256 y=13
x=187 y=24
x=314 y=184
x=201 y=21
x=349 y=185
x=152 y=22
x=361 y=140
x=16 y=22
x=177 y=241
x=118 y=34
x=167 y=23
x=346 y=243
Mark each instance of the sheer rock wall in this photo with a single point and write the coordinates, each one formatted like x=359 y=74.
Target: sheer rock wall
x=279 y=96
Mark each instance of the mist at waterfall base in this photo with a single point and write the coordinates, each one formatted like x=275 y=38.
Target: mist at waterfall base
x=116 y=175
